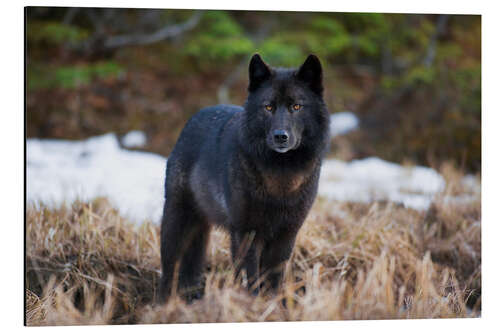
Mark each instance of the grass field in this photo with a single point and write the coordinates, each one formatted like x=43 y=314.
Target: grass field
x=85 y=264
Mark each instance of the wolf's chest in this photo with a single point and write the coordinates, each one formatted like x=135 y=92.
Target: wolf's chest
x=277 y=184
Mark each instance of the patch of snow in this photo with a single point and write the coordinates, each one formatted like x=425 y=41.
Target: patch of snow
x=134 y=139
x=373 y=179
x=342 y=123
x=60 y=171
x=459 y=200
x=471 y=183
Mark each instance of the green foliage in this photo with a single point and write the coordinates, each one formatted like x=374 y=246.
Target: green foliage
x=54 y=32
x=329 y=37
x=368 y=45
x=328 y=25
x=71 y=76
x=221 y=24
x=375 y=64
x=364 y=22
x=219 y=38
x=351 y=36
x=468 y=82
x=279 y=51
x=419 y=75
x=223 y=49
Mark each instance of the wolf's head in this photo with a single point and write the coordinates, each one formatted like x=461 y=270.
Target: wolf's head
x=285 y=108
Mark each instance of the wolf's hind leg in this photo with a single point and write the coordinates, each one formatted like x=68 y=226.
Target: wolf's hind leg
x=193 y=262
x=184 y=238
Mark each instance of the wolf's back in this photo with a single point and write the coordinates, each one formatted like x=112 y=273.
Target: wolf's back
x=199 y=139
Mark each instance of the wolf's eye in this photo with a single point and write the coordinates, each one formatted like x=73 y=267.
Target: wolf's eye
x=269 y=107
x=296 y=107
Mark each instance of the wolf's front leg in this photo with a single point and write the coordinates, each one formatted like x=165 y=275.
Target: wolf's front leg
x=275 y=254
x=245 y=250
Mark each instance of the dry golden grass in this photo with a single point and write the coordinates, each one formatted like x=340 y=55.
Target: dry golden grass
x=88 y=265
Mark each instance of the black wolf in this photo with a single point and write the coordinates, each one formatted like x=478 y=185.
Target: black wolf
x=252 y=170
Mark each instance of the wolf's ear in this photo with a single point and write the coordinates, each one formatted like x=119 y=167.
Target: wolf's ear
x=311 y=73
x=258 y=72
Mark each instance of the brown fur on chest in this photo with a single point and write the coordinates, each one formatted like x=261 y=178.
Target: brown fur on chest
x=276 y=182
x=283 y=184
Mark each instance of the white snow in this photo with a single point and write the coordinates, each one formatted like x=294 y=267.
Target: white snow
x=373 y=179
x=134 y=139
x=471 y=184
x=342 y=123
x=60 y=171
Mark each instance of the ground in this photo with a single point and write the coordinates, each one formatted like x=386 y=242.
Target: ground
x=86 y=264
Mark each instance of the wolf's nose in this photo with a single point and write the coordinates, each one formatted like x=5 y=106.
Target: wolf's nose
x=280 y=136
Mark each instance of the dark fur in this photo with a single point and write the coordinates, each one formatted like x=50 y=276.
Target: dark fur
x=226 y=170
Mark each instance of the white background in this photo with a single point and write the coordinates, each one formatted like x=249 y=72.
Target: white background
x=12 y=161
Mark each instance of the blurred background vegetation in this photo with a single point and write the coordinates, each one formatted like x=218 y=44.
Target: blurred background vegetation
x=413 y=80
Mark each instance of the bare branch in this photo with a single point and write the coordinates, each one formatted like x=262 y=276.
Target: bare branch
x=70 y=15
x=431 y=49
x=164 y=33
x=97 y=22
